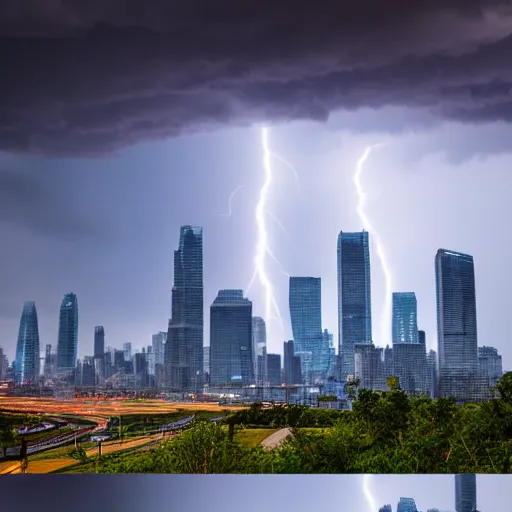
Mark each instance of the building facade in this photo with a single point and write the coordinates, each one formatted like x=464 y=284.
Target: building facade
x=405 y=318
x=184 y=346
x=465 y=493
x=231 y=355
x=67 y=347
x=456 y=325
x=354 y=297
x=99 y=342
x=27 y=364
x=259 y=347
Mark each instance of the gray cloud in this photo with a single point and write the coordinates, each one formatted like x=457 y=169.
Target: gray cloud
x=90 y=77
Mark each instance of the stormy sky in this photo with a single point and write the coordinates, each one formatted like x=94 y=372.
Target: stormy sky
x=122 y=120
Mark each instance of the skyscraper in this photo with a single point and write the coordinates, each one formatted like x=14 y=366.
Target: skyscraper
x=456 y=324
x=406 y=505
x=354 y=296
x=158 y=343
x=99 y=342
x=292 y=367
x=259 y=344
x=67 y=346
x=127 y=349
x=184 y=347
x=405 y=318
x=465 y=493
x=305 y=302
x=231 y=356
x=27 y=367
x=274 y=369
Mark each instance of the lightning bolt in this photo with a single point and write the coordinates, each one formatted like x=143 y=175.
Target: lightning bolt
x=263 y=249
x=372 y=506
x=291 y=167
x=386 y=312
x=230 y=202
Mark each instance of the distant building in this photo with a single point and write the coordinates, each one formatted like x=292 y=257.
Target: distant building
x=184 y=346
x=354 y=297
x=410 y=366
x=292 y=365
x=206 y=364
x=456 y=325
x=127 y=349
x=405 y=318
x=386 y=508
x=67 y=347
x=158 y=343
x=231 y=340
x=465 y=493
x=50 y=362
x=406 y=505
x=4 y=365
x=259 y=346
x=88 y=377
x=274 y=369
x=27 y=364
x=369 y=366
x=99 y=342
x=431 y=378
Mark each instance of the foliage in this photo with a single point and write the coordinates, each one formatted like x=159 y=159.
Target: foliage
x=386 y=432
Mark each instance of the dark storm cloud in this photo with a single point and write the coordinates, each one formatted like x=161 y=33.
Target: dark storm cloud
x=34 y=204
x=88 y=77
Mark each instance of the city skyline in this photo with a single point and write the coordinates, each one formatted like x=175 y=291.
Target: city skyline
x=403 y=318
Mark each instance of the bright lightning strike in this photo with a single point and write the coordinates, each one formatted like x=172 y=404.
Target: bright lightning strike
x=230 y=202
x=372 y=506
x=386 y=312
x=263 y=248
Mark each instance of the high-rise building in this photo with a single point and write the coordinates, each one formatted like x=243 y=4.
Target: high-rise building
x=158 y=343
x=354 y=297
x=305 y=302
x=369 y=366
x=386 y=508
x=292 y=365
x=410 y=366
x=27 y=365
x=99 y=342
x=127 y=349
x=405 y=318
x=456 y=324
x=231 y=339
x=406 y=505
x=67 y=346
x=4 y=365
x=88 y=372
x=422 y=340
x=489 y=363
x=206 y=364
x=184 y=347
x=259 y=347
x=465 y=493
x=274 y=369
x=50 y=362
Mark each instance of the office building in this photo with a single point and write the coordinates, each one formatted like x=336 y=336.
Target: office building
x=410 y=366
x=27 y=364
x=274 y=369
x=67 y=346
x=231 y=352
x=158 y=343
x=99 y=342
x=354 y=297
x=292 y=365
x=465 y=493
x=184 y=346
x=369 y=366
x=405 y=318
x=406 y=505
x=259 y=344
x=456 y=324
x=127 y=349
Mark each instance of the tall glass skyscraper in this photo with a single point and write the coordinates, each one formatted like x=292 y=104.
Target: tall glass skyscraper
x=259 y=349
x=456 y=324
x=184 y=347
x=305 y=302
x=99 y=342
x=27 y=365
x=354 y=296
x=231 y=355
x=405 y=318
x=465 y=493
x=406 y=505
x=67 y=346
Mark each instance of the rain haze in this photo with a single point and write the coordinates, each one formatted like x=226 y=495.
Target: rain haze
x=121 y=121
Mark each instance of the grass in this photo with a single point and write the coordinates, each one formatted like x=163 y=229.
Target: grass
x=253 y=436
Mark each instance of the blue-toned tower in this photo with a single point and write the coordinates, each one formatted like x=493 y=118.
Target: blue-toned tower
x=26 y=365
x=456 y=325
x=231 y=354
x=465 y=493
x=405 y=318
x=184 y=347
x=67 y=346
x=354 y=296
